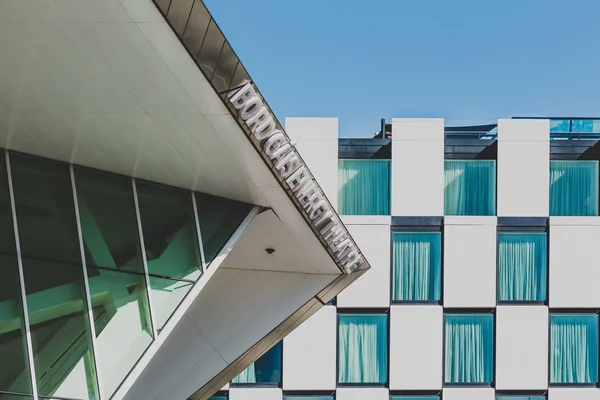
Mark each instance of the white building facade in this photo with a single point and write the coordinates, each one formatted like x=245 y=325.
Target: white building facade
x=482 y=241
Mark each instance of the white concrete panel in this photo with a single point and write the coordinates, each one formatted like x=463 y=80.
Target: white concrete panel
x=317 y=141
x=417 y=167
x=574 y=394
x=373 y=288
x=470 y=264
x=522 y=347
x=574 y=269
x=468 y=394
x=523 y=167
x=362 y=394
x=255 y=394
x=309 y=353
x=416 y=337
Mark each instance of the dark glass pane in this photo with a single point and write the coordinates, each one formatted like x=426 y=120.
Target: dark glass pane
x=14 y=396
x=14 y=375
x=108 y=220
x=170 y=234
x=225 y=69
x=166 y=296
x=179 y=11
x=196 y=28
x=211 y=48
x=219 y=218
x=267 y=369
x=122 y=320
x=53 y=274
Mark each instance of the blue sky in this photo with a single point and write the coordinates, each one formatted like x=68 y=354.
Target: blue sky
x=362 y=60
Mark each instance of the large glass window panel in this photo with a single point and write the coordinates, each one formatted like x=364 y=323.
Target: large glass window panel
x=267 y=369
x=218 y=398
x=582 y=125
x=522 y=260
x=108 y=220
x=573 y=187
x=417 y=266
x=219 y=219
x=469 y=345
x=166 y=296
x=560 y=125
x=362 y=348
x=470 y=187
x=596 y=126
x=14 y=375
x=307 y=397
x=121 y=317
x=574 y=348
x=364 y=187
x=53 y=272
x=14 y=396
x=170 y=234
x=517 y=397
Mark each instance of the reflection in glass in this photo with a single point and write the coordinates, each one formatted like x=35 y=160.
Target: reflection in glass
x=122 y=320
x=219 y=219
x=267 y=369
x=170 y=234
x=53 y=275
x=166 y=296
x=14 y=396
x=14 y=375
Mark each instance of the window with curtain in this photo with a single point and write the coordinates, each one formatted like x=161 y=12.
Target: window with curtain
x=362 y=352
x=470 y=187
x=265 y=370
x=415 y=397
x=573 y=187
x=469 y=344
x=522 y=266
x=519 y=397
x=417 y=266
x=364 y=187
x=574 y=348
x=307 y=397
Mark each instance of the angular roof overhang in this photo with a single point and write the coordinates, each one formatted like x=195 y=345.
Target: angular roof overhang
x=156 y=92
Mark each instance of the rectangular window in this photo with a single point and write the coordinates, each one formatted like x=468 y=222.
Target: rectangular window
x=470 y=187
x=469 y=344
x=265 y=370
x=522 y=260
x=520 y=397
x=573 y=348
x=308 y=397
x=417 y=266
x=364 y=187
x=362 y=348
x=573 y=187
x=415 y=397
x=582 y=125
x=560 y=125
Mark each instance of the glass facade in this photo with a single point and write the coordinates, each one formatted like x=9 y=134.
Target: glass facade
x=470 y=187
x=265 y=370
x=104 y=262
x=364 y=187
x=574 y=187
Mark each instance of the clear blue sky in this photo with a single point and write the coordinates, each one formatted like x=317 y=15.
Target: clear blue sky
x=362 y=60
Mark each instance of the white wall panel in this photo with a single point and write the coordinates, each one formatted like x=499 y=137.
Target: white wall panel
x=574 y=394
x=468 y=394
x=574 y=267
x=522 y=347
x=362 y=394
x=523 y=167
x=317 y=141
x=416 y=336
x=372 y=289
x=470 y=262
x=255 y=394
x=309 y=353
x=417 y=167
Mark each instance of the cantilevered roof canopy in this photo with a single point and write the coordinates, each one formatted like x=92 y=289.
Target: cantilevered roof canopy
x=144 y=90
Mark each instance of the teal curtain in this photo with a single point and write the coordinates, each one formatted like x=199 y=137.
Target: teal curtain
x=364 y=187
x=470 y=187
x=522 y=266
x=307 y=397
x=362 y=348
x=520 y=398
x=415 y=398
x=218 y=398
x=417 y=262
x=469 y=348
x=267 y=369
x=574 y=348
x=246 y=376
x=573 y=187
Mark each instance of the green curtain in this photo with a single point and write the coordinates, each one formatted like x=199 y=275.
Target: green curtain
x=362 y=348
x=574 y=348
x=522 y=266
x=469 y=348
x=364 y=187
x=417 y=261
x=470 y=187
x=573 y=187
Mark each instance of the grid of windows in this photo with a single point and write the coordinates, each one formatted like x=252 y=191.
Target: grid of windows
x=93 y=266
